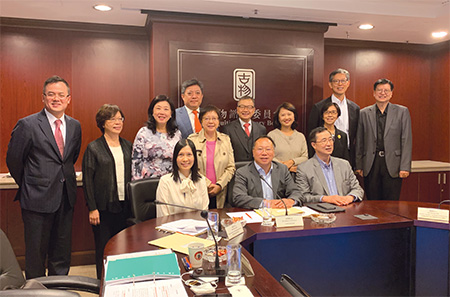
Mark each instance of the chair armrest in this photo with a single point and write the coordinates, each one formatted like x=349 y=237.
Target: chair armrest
x=71 y=282
x=37 y=293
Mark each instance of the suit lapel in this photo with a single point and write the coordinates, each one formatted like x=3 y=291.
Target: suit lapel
x=319 y=173
x=44 y=125
x=373 y=120
x=240 y=134
x=337 y=177
x=254 y=174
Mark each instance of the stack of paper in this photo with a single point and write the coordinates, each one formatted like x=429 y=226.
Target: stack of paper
x=186 y=226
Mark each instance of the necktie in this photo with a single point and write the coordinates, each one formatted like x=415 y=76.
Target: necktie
x=247 y=130
x=198 y=126
x=58 y=137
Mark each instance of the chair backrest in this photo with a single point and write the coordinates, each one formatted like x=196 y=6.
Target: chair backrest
x=10 y=272
x=292 y=287
x=230 y=186
x=142 y=193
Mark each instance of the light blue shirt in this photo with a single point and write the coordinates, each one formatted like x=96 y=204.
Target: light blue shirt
x=267 y=191
x=329 y=177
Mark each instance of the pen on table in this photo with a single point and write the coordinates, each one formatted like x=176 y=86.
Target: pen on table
x=248 y=215
x=188 y=263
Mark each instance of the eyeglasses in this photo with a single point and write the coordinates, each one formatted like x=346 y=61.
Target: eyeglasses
x=210 y=119
x=248 y=107
x=52 y=95
x=339 y=81
x=333 y=112
x=383 y=91
x=264 y=149
x=325 y=141
x=116 y=119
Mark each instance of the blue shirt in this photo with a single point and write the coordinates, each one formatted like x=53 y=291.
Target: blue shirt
x=267 y=191
x=329 y=177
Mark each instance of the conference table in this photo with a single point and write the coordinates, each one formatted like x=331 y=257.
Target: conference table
x=394 y=254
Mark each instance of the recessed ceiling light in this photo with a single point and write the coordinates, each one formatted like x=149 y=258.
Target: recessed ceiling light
x=439 y=34
x=102 y=7
x=365 y=27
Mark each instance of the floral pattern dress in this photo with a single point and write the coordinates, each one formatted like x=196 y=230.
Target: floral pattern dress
x=152 y=153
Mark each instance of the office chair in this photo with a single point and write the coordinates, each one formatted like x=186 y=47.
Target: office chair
x=230 y=186
x=292 y=287
x=12 y=282
x=142 y=193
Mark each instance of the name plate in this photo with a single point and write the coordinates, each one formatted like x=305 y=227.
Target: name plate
x=289 y=221
x=234 y=230
x=433 y=215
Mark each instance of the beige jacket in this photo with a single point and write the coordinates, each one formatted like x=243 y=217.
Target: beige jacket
x=223 y=161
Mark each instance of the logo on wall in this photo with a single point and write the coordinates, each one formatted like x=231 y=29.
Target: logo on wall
x=243 y=83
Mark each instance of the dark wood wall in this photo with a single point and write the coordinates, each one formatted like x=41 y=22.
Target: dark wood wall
x=420 y=74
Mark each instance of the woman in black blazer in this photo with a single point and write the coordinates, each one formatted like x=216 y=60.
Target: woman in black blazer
x=330 y=113
x=106 y=171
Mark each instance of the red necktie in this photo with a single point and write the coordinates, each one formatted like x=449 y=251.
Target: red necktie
x=247 y=130
x=58 y=137
x=197 y=124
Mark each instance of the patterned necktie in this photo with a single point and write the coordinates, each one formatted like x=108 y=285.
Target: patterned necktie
x=247 y=130
x=197 y=124
x=58 y=137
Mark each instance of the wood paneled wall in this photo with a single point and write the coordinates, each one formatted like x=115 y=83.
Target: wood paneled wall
x=420 y=74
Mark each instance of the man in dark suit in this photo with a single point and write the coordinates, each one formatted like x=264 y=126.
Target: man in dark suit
x=244 y=131
x=339 y=81
x=384 y=144
x=250 y=190
x=324 y=178
x=41 y=156
x=187 y=115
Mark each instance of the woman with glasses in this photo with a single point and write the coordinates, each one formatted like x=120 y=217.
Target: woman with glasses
x=330 y=113
x=106 y=170
x=291 y=148
x=184 y=186
x=154 y=144
x=215 y=156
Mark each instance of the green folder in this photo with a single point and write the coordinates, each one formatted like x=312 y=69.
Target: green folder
x=142 y=268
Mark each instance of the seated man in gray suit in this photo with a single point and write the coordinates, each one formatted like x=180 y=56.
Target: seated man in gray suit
x=264 y=179
x=187 y=115
x=324 y=178
x=244 y=131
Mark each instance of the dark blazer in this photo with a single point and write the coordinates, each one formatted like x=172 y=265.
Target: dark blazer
x=36 y=165
x=397 y=139
x=242 y=144
x=99 y=175
x=183 y=122
x=315 y=120
x=340 y=145
x=248 y=193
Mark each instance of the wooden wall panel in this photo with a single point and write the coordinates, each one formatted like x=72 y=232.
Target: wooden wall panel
x=412 y=68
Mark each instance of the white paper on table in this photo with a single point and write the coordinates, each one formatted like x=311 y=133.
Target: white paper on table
x=307 y=211
x=159 y=288
x=240 y=291
x=249 y=216
x=185 y=226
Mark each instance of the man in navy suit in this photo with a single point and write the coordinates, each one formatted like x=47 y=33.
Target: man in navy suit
x=41 y=155
x=339 y=81
x=187 y=115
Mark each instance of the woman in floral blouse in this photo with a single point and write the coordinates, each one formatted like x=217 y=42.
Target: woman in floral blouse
x=154 y=144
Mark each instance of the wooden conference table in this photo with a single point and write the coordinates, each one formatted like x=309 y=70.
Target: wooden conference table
x=393 y=255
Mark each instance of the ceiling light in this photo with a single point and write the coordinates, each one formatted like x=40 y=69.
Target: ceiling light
x=365 y=27
x=102 y=7
x=439 y=34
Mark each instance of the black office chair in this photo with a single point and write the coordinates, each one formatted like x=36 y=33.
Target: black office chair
x=12 y=282
x=142 y=193
x=292 y=287
x=230 y=186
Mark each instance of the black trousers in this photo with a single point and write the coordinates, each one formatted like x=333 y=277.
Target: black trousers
x=110 y=225
x=379 y=185
x=48 y=235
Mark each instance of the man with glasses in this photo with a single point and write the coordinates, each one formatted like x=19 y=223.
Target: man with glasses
x=187 y=116
x=324 y=178
x=384 y=144
x=244 y=131
x=339 y=81
x=41 y=156
x=264 y=179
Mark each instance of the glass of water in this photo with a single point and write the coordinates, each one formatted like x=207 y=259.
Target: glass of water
x=266 y=214
x=234 y=263
x=213 y=219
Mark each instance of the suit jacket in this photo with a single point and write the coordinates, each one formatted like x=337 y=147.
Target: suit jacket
x=340 y=145
x=397 y=139
x=315 y=120
x=242 y=144
x=35 y=163
x=99 y=175
x=223 y=161
x=183 y=122
x=313 y=185
x=248 y=193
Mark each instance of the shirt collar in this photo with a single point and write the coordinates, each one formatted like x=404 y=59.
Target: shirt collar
x=323 y=164
x=261 y=170
x=336 y=100
x=51 y=118
x=242 y=122
x=190 y=110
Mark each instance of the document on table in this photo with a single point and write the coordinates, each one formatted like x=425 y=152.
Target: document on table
x=248 y=216
x=185 y=226
x=159 y=288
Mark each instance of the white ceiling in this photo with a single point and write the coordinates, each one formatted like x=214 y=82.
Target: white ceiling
x=394 y=20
